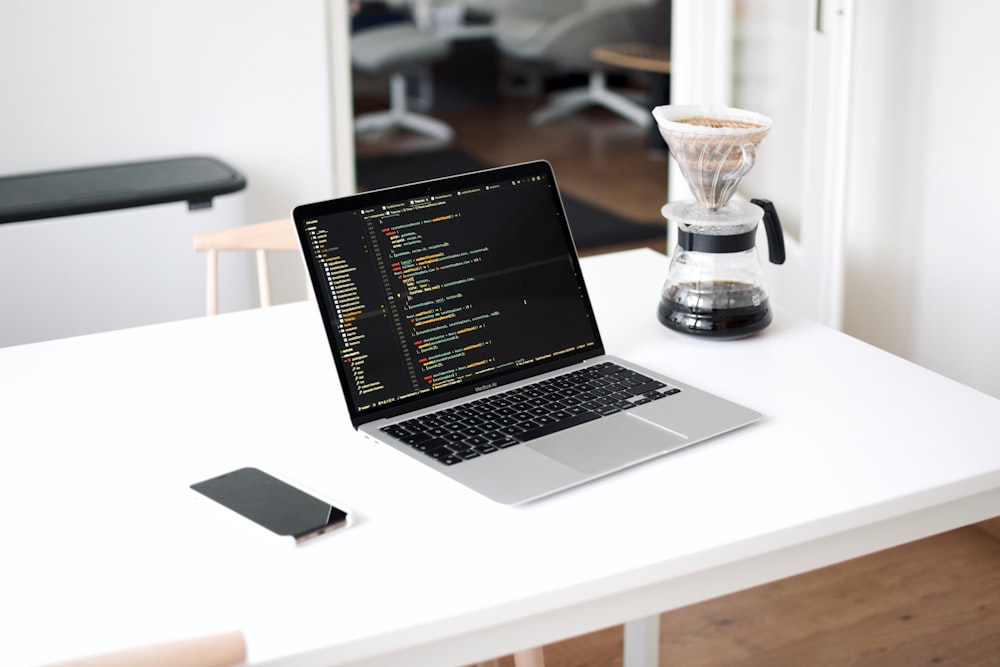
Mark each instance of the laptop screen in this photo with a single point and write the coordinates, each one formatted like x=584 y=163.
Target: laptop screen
x=440 y=289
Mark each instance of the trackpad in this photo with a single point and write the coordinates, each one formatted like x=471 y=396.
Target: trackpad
x=608 y=444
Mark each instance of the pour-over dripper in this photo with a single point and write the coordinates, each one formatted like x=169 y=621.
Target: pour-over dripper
x=715 y=146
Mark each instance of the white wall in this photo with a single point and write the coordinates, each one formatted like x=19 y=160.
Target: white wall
x=924 y=228
x=246 y=81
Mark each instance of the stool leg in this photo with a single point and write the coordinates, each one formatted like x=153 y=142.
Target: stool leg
x=212 y=282
x=533 y=657
x=263 y=279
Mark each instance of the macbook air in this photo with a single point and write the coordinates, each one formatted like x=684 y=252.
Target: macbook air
x=463 y=336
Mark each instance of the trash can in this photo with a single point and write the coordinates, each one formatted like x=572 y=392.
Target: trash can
x=109 y=247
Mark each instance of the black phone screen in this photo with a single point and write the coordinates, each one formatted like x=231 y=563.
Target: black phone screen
x=272 y=503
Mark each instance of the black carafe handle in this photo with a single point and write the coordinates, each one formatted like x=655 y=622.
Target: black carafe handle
x=772 y=227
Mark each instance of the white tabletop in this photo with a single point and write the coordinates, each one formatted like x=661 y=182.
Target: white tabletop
x=103 y=545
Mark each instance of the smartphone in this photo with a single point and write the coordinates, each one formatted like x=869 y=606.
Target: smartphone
x=273 y=504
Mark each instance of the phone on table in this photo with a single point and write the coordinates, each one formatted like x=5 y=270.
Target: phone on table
x=273 y=504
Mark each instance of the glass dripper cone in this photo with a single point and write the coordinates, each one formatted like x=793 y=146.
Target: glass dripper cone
x=715 y=146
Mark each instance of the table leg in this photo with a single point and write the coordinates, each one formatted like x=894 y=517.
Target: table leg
x=641 y=646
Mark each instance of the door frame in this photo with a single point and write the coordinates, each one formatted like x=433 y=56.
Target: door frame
x=341 y=91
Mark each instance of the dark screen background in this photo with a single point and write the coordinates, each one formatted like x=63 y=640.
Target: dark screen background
x=443 y=290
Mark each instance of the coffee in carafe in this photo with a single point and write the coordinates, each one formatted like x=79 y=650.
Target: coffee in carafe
x=697 y=308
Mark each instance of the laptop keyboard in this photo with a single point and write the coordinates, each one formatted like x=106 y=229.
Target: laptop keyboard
x=510 y=418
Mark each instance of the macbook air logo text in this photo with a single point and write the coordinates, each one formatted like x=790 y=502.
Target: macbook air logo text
x=484 y=387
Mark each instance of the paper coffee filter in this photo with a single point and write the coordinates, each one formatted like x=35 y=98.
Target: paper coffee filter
x=715 y=146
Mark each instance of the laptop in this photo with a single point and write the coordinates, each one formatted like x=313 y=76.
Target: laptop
x=463 y=336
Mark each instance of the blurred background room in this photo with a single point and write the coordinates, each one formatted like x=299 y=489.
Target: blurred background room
x=879 y=163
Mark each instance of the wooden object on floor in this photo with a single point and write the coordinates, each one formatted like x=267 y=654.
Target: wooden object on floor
x=260 y=237
x=222 y=650
x=530 y=658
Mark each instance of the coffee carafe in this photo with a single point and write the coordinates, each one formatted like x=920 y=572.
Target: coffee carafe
x=715 y=283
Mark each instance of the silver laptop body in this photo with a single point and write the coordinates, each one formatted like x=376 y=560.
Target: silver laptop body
x=464 y=338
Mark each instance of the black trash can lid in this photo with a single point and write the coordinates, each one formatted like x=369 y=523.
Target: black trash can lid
x=53 y=194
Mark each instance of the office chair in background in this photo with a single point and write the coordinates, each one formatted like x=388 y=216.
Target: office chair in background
x=560 y=35
x=398 y=49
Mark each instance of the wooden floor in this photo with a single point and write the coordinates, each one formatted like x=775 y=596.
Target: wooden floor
x=932 y=602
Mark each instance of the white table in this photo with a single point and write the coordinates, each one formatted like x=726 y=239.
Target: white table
x=104 y=546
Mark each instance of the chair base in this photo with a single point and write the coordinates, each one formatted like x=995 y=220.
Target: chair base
x=384 y=120
x=398 y=115
x=596 y=92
